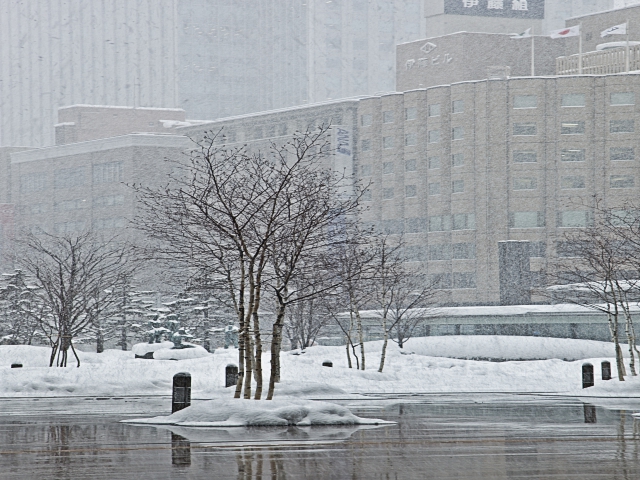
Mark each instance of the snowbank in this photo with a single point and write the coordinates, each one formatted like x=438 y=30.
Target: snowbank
x=165 y=351
x=281 y=411
x=429 y=370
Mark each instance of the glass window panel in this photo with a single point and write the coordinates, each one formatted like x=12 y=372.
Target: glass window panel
x=457 y=159
x=410 y=191
x=387 y=142
x=457 y=133
x=572 y=128
x=410 y=113
x=410 y=139
x=410 y=165
x=622 y=181
x=434 y=110
x=572 y=100
x=457 y=186
x=524 y=129
x=433 y=163
x=572 y=155
x=387 y=168
x=525 y=183
x=621 y=126
x=524 y=156
x=526 y=219
x=620 y=154
x=572 y=181
x=387 y=193
x=433 y=136
x=457 y=106
x=623 y=98
x=366 y=119
x=434 y=188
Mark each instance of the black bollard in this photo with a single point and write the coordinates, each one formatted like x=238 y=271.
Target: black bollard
x=181 y=391
x=587 y=375
x=606 y=370
x=231 y=376
x=16 y=365
x=590 y=414
x=327 y=363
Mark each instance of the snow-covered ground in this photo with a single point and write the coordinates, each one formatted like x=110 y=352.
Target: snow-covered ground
x=425 y=365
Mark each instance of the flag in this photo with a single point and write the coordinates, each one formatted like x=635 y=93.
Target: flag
x=525 y=34
x=615 y=30
x=566 y=32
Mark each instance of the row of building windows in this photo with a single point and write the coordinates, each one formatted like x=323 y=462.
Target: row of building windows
x=616 y=154
x=102 y=173
x=564 y=219
x=75 y=204
x=97 y=224
x=519 y=102
x=519 y=130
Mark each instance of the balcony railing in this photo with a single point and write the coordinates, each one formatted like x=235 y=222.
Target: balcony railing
x=601 y=62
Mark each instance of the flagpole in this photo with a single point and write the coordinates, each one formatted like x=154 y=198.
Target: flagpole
x=627 y=61
x=580 y=50
x=533 y=65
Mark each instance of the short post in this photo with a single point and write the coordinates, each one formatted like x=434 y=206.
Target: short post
x=587 y=375
x=327 y=363
x=590 y=414
x=181 y=391
x=231 y=376
x=16 y=365
x=606 y=370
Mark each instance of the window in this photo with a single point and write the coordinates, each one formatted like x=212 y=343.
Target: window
x=538 y=249
x=365 y=170
x=108 y=223
x=457 y=106
x=433 y=163
x=434 y=110
x=457 y=186
x=392 y=227
x=526 y=219
x=622 y=181
x=33 y=182
x=67 y=205
x=457 y=133
x=571 y=181
x=439 y=223
x=525 y=101
x=68 y=227
x=623 y=98
x=622 y=154
x=413 y=253
x=568 y=249
x=524 y=129
x=525 y=183
x=464 y=221
x=433 y=136
x=464 y=280
x=410 y=165
x=415 y=225
x=387 y=168
x=108 y=201
x=387 y=116
x=69 y=177
x=572 y=128
x=574 y=219
x=410 y=139
x=440 y=251
x=366 y=119
x=572 y=155
x=572 y=100
x=410 y=113
x=366 y=145
x=463 y=251
x=434 y=188
x=387 y=193
x=520 y=156
x=621 y=126
x=366 y=196
x=457 y=159
x=387 y=142
x=410 y=191
x=440 y=280
x=107 y=172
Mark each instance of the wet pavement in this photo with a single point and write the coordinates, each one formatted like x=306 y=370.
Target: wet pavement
x=435 y=437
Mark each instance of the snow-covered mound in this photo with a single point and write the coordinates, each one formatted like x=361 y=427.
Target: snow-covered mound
x=142 y=349
x=504 y=347
x=281 y=411
x=165 y=351
x=180 y=353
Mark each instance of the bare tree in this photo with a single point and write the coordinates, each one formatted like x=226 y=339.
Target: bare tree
x=305 y=321
x=590 y=271
x=75 y=275
x=241 y=217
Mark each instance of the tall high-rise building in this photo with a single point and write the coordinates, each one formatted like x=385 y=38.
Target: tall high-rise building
x=214 y=58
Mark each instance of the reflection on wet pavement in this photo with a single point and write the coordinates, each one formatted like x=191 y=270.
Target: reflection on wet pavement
x=435 y=437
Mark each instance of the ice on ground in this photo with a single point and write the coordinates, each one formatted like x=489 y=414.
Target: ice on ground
x=281 y=411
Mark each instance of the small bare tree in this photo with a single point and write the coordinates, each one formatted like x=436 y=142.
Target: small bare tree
x=75 y=275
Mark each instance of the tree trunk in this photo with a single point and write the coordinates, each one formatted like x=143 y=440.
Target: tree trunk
x=613 y=328
x=360 y=336
x=100 y=341
x=276 y=340
x=258 y=360
x=123 y=337
x=241 y=339
x=630 y=341
x=384 y=342
x=248 y=356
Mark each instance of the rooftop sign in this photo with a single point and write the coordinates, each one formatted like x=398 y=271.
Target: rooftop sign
x=496 y=8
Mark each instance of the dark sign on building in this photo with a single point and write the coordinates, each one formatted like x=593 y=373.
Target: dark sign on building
x=496 y=8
